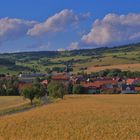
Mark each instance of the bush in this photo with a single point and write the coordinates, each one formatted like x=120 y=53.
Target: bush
x=77 y=89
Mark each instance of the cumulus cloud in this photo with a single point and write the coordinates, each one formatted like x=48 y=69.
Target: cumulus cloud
x=114 y=29
x=74 y=46
x=57 y=22
x=12 y=28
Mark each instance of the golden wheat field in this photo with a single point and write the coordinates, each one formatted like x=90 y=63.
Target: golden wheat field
x=132 y=67
x=93 y=117
x=7 y=102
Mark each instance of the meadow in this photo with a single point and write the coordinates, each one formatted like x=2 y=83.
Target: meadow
x=100 y=117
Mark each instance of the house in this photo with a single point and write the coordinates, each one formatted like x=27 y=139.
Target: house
x=120 y=82
x=101 y=85
x=128 y=89
x=130 y=81
x=137 y=89
x=110 y=86
x=29 y=78
x=90 y=88
x=104 y=83
x=60 y=77
x=63 y=78
x=133 y=81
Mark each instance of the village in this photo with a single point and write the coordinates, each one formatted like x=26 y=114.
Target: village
x=88 y=84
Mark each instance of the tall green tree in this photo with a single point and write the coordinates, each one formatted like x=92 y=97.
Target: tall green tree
x=56 y=89
x=29 y=93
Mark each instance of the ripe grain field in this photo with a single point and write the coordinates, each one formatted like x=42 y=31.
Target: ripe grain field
x=131 y=67
x=7 y=102
x=93 y=117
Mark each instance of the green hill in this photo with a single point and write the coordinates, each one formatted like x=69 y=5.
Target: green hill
x=78 y=60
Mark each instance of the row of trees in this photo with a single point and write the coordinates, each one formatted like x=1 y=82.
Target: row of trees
x=9 y=87
x=111 y=73
x=58 y=90
x=36 y=90
x=116 y=73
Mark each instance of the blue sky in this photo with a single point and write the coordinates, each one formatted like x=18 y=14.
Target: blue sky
x=34 y=25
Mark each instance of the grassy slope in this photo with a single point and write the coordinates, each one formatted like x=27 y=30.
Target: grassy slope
x=78 y=117
x=109 y=56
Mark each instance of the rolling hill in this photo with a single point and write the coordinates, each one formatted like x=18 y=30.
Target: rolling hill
x=124 y=57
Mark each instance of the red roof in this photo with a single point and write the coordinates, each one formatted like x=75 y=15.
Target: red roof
x=130 y=81
x=98 y=83
x=88 y=85
x=60 y=77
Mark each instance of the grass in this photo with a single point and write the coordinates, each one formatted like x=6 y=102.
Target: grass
x=4 y=69
x=100 y=117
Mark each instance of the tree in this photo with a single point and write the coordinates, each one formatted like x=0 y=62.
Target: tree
x=77 y=89
x=69 y=88
x=114 y=72
x=40 y=91
x=56 y=89
x=29 y=93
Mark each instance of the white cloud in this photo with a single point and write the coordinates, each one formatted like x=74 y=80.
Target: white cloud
x=57 y=22
x=61 y=49
x=114 y=29
x=74 y=46
x=12 y=28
